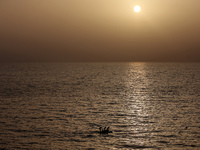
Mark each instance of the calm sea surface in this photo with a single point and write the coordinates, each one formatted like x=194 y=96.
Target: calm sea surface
x=61 y=106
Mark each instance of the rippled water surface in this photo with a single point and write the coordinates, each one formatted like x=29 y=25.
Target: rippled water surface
x=62 y=106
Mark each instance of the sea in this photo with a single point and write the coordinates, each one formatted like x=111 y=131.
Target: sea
x=60 y=106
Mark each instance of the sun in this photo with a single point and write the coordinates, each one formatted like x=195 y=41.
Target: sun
x=137 y=8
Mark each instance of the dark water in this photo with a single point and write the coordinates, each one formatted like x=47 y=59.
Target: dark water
x=61 y=106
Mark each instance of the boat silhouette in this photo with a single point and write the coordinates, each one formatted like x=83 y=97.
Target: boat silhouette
x=104 y=130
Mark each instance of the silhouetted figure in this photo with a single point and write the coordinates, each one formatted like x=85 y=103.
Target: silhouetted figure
x=108 y=129
x=104 y=129
x=100 y=129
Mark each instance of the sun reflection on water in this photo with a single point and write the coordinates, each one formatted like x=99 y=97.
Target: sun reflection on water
x=137 y=103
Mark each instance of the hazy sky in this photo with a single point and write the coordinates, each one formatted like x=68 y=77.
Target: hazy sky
x=99 y=30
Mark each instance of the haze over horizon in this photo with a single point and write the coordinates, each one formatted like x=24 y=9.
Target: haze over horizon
x=99 y=30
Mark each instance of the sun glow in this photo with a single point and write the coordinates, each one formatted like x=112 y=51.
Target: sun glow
x=137 y=8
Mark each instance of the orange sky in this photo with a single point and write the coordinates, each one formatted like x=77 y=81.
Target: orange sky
x=99 y=30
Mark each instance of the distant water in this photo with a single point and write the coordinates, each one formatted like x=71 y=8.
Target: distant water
x=61 y=106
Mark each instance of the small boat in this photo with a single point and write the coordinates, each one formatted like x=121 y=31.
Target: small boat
x=104 y=130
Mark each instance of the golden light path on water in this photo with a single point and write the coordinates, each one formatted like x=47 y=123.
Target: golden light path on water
x=137 y=102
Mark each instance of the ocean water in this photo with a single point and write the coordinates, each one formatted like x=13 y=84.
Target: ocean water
x=62 y=105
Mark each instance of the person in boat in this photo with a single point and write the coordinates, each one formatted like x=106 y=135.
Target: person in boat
x=104 y=130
